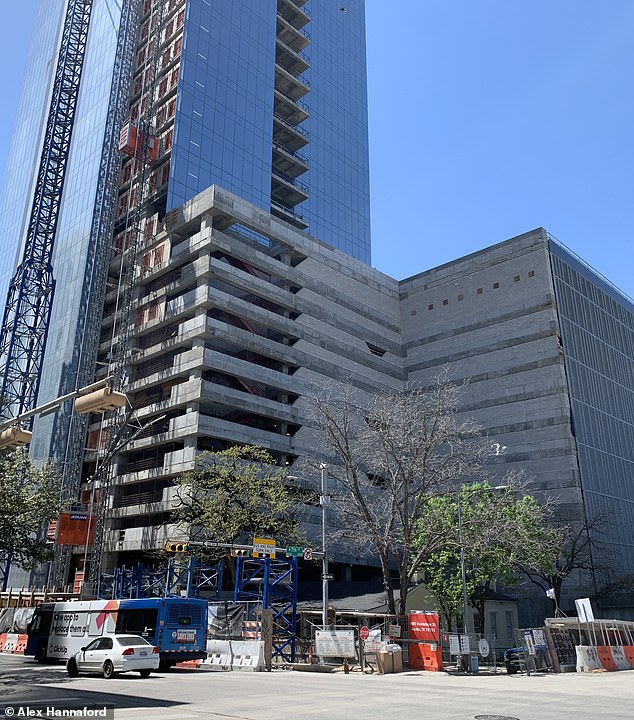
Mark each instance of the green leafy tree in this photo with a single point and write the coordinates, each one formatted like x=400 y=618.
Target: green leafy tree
x=29 y=500
x=234 y=494
x=500 y=531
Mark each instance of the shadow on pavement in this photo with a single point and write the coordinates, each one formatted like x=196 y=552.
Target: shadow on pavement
x=71 y=696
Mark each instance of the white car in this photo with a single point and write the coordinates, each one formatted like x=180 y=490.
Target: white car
x=112 y=654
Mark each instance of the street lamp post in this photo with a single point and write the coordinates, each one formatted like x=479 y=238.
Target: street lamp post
x=324 y=501
x=465 y=602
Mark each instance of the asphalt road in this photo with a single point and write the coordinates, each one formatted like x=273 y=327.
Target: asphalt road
x=290 y=695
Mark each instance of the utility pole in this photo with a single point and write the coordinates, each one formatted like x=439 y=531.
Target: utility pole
x=324 y=501
x=465 y=602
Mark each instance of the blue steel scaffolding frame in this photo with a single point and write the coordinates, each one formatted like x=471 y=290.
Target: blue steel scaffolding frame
x=273 y=583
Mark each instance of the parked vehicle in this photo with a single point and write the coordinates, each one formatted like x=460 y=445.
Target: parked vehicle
x=112 y=654
x=176 y=626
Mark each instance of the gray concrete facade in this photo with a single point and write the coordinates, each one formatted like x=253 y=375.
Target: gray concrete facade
x=241 y=319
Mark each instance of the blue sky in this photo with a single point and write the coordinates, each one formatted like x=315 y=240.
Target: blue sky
x=488 y=118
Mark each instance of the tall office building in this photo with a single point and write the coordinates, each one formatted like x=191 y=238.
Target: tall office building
x=266 y=99
x=234 y=281
x=547 y=346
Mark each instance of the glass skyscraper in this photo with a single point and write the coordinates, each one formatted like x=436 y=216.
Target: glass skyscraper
x=266 y=98
x=597 y=335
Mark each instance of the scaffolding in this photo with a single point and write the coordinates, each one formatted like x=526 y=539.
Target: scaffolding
x=271 y=584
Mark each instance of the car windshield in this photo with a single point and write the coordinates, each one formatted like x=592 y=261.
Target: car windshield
x=127 y=640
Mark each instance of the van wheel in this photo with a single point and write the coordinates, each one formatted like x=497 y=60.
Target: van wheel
x=144 y=673
x=71 y=667
x=108 y=669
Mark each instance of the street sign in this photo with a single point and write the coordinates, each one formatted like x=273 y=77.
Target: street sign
x=263 y=546
x=308 y=553
x=364 y=633
x=394 y=631
x=294 y=551
x=327 y=577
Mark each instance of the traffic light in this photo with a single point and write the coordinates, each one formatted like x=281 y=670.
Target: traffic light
x=235 y=552
x=176 y=547
x=15 y=437
x=99 y=401
x=331 y=616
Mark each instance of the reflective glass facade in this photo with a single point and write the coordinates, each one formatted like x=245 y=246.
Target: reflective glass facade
x=76 y=210
x=597 y=334
x=224 y=116
x=73 y=234
x=223 y=134
x=30 y=120
x=338 y=209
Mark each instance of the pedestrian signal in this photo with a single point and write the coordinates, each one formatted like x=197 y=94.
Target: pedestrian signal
x=174 y=547
x=235 y=552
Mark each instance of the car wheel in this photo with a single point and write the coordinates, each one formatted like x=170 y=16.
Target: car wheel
x=144 y=673
x=108 y=669
x=72 y=669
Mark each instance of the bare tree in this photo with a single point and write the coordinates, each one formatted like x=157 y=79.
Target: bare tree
x=391 y=452
x=580 y=546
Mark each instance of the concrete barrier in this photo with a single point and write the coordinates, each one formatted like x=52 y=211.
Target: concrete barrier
x=629 y=654
x=13 y=643
x=10 y=643
x=248 y=655
x=218 y=654
x=20 y=645
x=605 y=656
x=235 y=654
x=620 y=660
x=587 y=658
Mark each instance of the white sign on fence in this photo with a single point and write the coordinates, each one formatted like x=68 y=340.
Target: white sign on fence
x=394 y=631
x=454 y=645
x=465 y=648
x=374 y=643
x=584 y=610
x=335 y=643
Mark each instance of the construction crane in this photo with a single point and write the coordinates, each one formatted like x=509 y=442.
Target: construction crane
x=144 y=153
x=72 y=433
x=30 y=296
x=28 y=309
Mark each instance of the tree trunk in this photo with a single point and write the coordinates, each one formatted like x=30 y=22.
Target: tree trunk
x=404 y=582
x=480 y=603
x=6 y=569
x=387 y=583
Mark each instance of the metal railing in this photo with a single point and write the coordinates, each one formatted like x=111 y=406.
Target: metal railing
x=295 y=128
x=302 y=187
